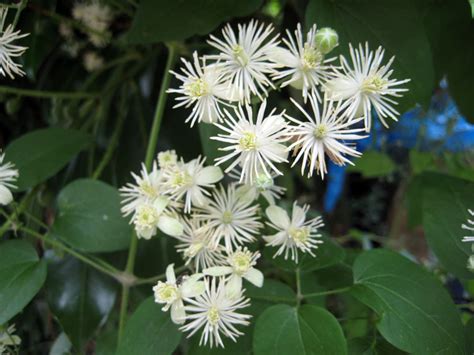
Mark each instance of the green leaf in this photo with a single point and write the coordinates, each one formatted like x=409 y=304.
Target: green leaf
x=89 y=217
x=282 y=330
x=22 y=274
x=421 y=161
x=271 y=291
x=80 y=297
x=368 y=346
x=393 y=24
x=416 y=313
x=149 y=331
x=41 y=154
x=156 y=20
x=469 y=331
x=329 y=253
x=445 y=203
x=373 y=164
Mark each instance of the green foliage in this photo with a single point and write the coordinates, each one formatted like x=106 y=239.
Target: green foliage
x=22 y=274
x=80 y=298
x=156 y=20
x=149 y=331
x=89 y=217
x=41 y=154
x=445 y=203
x=282 y=330
x=373 y=164
x=416 y=313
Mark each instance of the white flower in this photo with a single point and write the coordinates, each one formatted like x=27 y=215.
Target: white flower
x=190 y=180
x=216 y=314
x=197 y=245
x=97 y=17
x=295 y=234
x=8 y=176
x=241 y=264
x=149 y=217
x=230 y=218
x=263 y=185
x=307 y=67
x=203 y=88
x=8 y=338
x=470 y=227
x=147 y=188
x=171 y=293
x=244 y=59
x=255 y=146
x=366 y=84
x=8 y=50
x=167 y=159
x=326 y=132
x=92 y=61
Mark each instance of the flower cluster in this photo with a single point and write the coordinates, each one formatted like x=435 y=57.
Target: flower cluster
x=8 y=176
x=8 y=339
x=469 y=226
x=9 y=50
x=217 y=222
x=252 y=61
x=93 y=19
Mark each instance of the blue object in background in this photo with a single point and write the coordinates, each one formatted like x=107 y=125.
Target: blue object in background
x=441 y=128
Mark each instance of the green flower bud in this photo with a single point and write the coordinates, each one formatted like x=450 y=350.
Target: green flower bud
x=326 y=39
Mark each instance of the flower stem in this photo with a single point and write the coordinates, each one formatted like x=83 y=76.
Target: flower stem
x=20 y=8
x=150 y=153
x=154 y=279
x=325 y=293
x=299 y=295
x=109 y=269
x=47 y=94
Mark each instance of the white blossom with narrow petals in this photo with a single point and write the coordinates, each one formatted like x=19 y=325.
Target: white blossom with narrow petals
x=469 y=226
x=306 y=67
x=216 y=314
x=244 y=59
x=255 y=146
x=323 y=133
x=232 y=220
x=172 y=294
x=366 y=84
x=240 y=265
x=8 y=50
x=8 y=176
x=293 y=235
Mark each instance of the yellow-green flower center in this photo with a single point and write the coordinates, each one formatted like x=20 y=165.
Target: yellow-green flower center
x=167 y=293
x=193 y=250
x=299 y=235
x=320 y=131
x=241 y=261
x=181 y=179
x=147 y=216
x=248 y=141
x=374 y=84
x=147 y=189
x=213 y=315
x=312 y=57
x=197 y=88
x=239 y=54
x=263 y=182
x=227 y=217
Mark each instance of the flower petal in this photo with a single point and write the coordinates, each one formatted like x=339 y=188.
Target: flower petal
x=278 y=216
x=170 y=275
x=209 y=175
x=234 y=286
x=218 y=270
x=178 y=314
x=5 y=195
x=170 y=226
x=192 y=288
x=254 y=276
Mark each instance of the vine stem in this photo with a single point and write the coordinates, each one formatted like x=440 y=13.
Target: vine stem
x=154 y=279
x=150 y=153
x=299 y=295
x=47 y=94
x=324 y=293
x=105 y=268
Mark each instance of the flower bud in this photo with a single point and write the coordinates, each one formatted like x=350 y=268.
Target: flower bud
x=326 y=39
